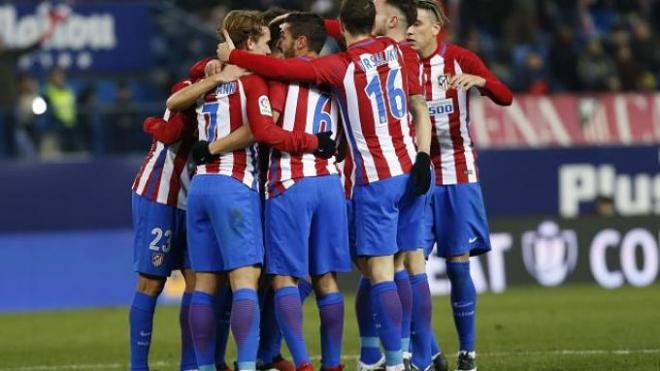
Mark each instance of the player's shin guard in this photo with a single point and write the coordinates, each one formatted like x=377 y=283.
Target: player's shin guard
x=421 y=322
x=245 y=327
x=188 y=361
x=288 y=310
x=387 y=306
x=202 y=327
x=141 y=322
x=331 y=311
x=222 y=316
x=404 y=289
x=369 y=341
x=270 y=338
x=463 y=302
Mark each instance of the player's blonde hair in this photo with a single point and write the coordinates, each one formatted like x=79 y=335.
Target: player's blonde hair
x=436 y=9
x=243 y=25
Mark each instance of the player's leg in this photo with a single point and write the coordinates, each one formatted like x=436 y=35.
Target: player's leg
x=237 y=223
x=439 y=360
x=411 y=239
x=202 y=319
x=422 y=332
x=289 y=314
x=222 y=315
x=270 y=337
x=154 y=257
x=463 y=304
x=402 y=280
x=462 y=231
x=387 y=308
x=329 y=254
x=188 y=361
x=330 y=303
x=206 y=262
x=288 y=219
x=245 y=315
x=141 y=319
x=370 y=355
x=269 y=356
x=376 y=220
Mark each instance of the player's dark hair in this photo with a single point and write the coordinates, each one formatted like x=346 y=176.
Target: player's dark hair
x=273 y=12
x=274 y=26
x=309 y=25
x=358 y=16
x=407 y=7
x=243 y=25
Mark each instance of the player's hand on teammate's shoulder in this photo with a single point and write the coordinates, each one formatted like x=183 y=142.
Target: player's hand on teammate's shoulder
x=212 y=68
x=225 y=48
x=229 y=73
x=327 y=145
x=466 y=81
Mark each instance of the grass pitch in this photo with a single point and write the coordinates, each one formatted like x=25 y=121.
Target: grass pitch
x=526 y=328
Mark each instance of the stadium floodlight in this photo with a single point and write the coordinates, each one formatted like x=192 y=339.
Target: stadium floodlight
x=39 y=106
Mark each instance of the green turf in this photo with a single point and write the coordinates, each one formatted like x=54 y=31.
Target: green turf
x=527 y=328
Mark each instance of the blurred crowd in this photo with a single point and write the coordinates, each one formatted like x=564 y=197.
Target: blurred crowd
x=535 y=46
x=547 y=46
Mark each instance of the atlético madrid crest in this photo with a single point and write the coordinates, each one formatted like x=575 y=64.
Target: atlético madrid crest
x=443 y=81
x=157 y=259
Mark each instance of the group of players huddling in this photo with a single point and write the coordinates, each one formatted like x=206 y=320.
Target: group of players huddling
x=368 y=160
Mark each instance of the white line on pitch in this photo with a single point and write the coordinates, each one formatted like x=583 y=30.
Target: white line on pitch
x=567 y=352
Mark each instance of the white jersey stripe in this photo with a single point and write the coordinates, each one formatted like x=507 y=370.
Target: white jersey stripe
x=465 y=127
x=168 y=170
x=354 y=117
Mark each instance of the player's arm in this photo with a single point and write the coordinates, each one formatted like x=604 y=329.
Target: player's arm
x=476 y=74
x=326 y=70
x=243 y=137
x=333 y=29
x=171 y=130
x=239 y=139
x=186 y=98
x=293 y=69
x=260 y=117
x=420 y=114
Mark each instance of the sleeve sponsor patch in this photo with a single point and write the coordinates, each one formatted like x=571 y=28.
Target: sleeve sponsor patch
x=441 y=107
x=264 y=106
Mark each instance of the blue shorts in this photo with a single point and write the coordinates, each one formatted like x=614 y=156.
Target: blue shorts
x=388 y=217
x=460 y=225
x=224 y=224
x=160 y=237
x=350 y=210
x=307 y=229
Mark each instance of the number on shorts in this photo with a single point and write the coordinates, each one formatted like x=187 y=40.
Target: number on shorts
x=158 y=235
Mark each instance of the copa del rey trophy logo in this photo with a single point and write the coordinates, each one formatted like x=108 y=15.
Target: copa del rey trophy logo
x=549 y=253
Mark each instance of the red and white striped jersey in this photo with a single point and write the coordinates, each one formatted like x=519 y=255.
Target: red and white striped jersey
x=371 y=85
x=223 y=111
x=347 y=171
x=303 y=108
x=452 y=150
x=165 y=174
